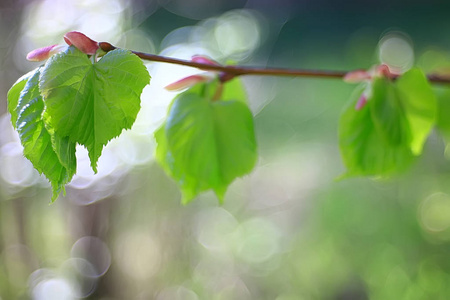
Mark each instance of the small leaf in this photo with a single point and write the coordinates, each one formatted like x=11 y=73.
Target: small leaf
x=38 y=141
x=388 y=113
x=385 y=135
x=91 y=103
x=14 y=94
x=420 y=106
x=364 y=147
x=206 y=145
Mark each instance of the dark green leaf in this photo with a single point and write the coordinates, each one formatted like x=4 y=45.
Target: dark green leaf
x=206 y=145
x=50 y=154
x=91 y=103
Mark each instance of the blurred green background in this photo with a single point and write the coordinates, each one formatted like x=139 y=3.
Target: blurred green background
x=287 y=231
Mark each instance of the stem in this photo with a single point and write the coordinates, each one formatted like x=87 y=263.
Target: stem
x=234 y=71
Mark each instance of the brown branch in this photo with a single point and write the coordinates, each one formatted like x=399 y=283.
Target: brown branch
x=233 y=71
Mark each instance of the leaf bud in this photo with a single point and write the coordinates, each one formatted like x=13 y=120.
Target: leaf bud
x=82 y=42
x=187 y=82
x=45 y=52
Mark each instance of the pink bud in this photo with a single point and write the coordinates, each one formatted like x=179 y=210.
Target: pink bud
x=383 y=71
x=187 y=82
x=81 y=41
x=204 y=60
x=361 y=102
x=45 y=52
x=356 y=76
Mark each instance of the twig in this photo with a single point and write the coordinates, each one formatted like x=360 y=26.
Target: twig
x=234 y=71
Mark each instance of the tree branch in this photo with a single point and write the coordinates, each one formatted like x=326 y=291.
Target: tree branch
x=233 y=71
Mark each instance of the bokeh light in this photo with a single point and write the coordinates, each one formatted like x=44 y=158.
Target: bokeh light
x=177 y=293
x=396 y=51
x=237 y=34
x=434 y=215
x=285 y=231
x=95 y=251
x=53 y=289
x=138 y=255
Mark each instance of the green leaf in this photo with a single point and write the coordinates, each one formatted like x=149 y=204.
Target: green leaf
x=364 y=147
x=384 y=136
x=420 y=105
x=388 y=114
x=50 y=154
x=206 y=145
x=443 y=119
x=91 y=103
x=14 y=94
x=230 y=90
x=234 y=90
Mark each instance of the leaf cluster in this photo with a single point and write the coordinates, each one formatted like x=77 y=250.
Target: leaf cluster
x=208 y=138
x=389 y=132
x=75 y=99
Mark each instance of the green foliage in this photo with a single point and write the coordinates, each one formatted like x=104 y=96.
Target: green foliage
x=206 y=144
x=14 y=95
x=50 y=154
x=91 y=103
x=71 y=100
x=420 y=106
x=208 y=139
x=390 y=130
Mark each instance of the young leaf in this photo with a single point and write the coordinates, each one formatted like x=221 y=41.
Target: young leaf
x=91 y=103
x=420 y=106
x=14 y=94
x=384 y=136
x=388 y=113
x=364 y=146
x=206 y=145
x=37 y=140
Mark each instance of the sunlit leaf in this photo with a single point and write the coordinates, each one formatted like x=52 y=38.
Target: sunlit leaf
x=234 y=90
x=206 y=144
x=388 y=114
x=91 y=103
x=14 y=94
x=420 y=105
x=364 y=146
x=51 y=155
x=383 y=137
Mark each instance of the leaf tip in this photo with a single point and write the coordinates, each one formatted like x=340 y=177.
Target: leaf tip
x=220 y=194
x=185 y=200
x=56 y=191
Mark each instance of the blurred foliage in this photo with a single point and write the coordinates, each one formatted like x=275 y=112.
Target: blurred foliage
x=288 y=230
